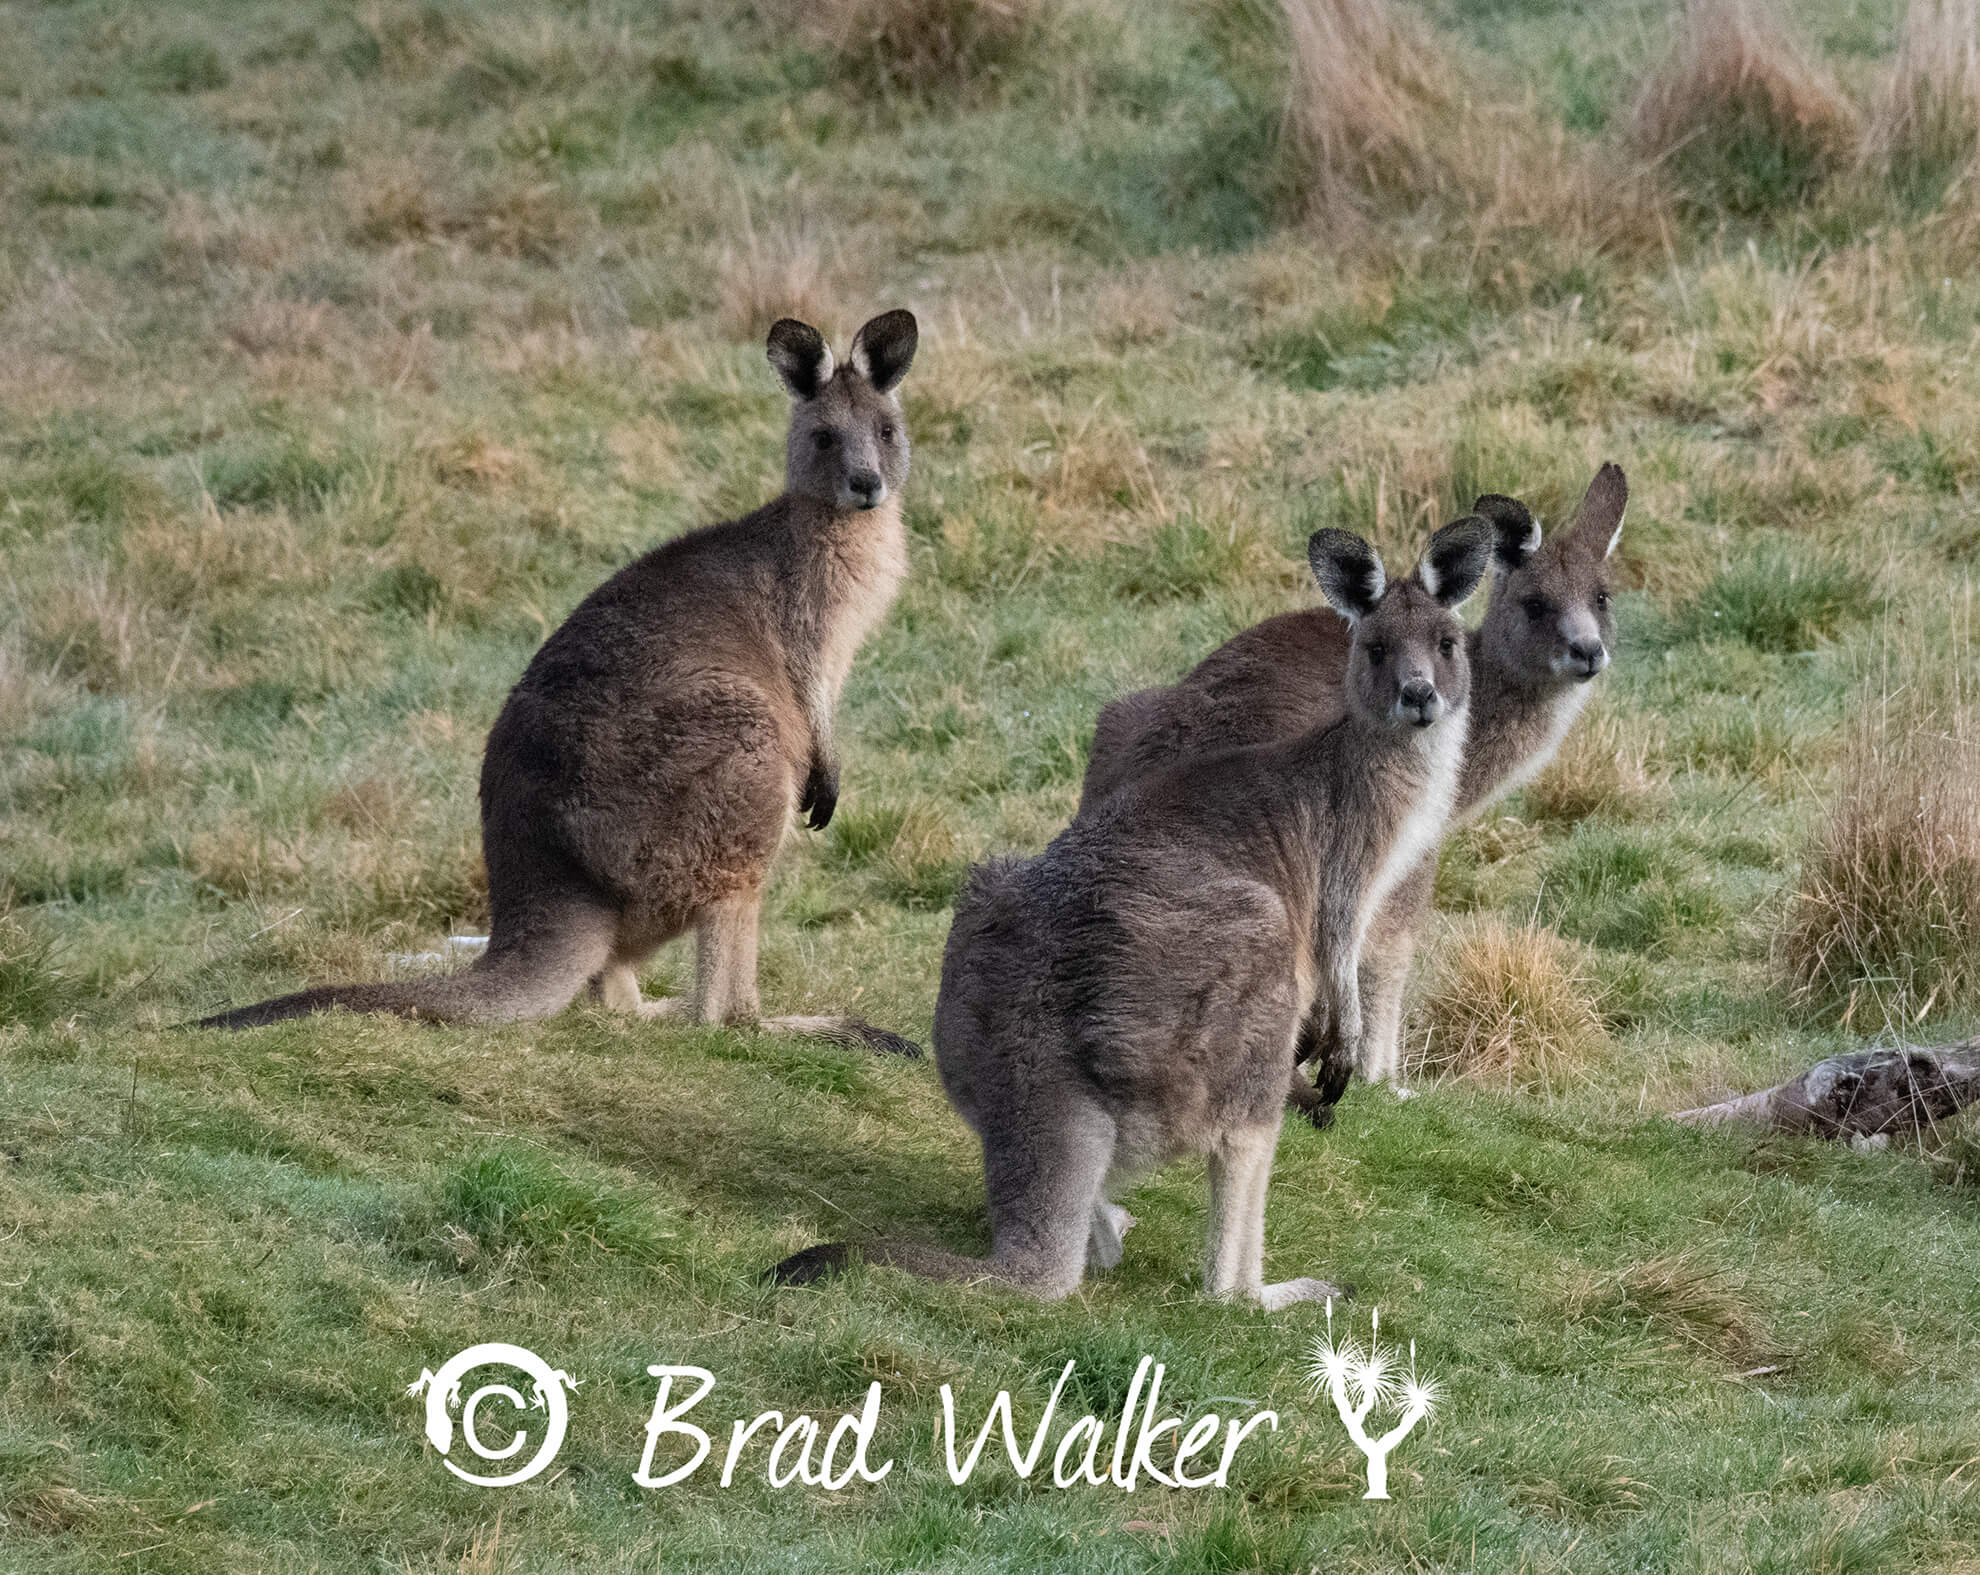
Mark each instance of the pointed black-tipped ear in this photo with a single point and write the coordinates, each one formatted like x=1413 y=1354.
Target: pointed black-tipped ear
x=883 y=350
x=1597 y=524
x=1515 y=532
x=1349 y=574
x=801 y=356
x=1456 y=560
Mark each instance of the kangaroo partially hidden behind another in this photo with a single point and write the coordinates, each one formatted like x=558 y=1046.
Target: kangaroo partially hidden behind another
x=642 y=775
x=1547 y=632
x=1132 y=993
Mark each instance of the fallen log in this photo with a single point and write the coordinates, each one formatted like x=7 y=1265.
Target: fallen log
x=1867 y=1094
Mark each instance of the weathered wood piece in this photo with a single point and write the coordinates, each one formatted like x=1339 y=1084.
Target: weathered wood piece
x=1867 y=1093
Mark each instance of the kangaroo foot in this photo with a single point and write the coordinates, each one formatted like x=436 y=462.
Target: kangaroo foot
x=1103 y=1246
x=666 y=1006
x=1274 y=1297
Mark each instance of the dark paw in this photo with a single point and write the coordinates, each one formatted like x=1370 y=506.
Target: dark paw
x=1315 y=1110
x=821 y=797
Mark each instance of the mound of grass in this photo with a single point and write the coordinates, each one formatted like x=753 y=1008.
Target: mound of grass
x=1510 y=1007
x=1630 y=890
x=32 y=989
x=1884 y=923
x=1739 y=114
x=1781 y=599
x=1187 y=559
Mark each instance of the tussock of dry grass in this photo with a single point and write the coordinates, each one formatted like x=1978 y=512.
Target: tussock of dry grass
x=1927 y=122
x=1885 y=922
x=1603 y=768
x=928 y=49
x=1739 y=112
x=1509 y=1006
x=1380 y=117
x=776 y=272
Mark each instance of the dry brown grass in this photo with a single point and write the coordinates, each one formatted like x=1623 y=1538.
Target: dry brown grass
x=1740 y=113
x=1885 y=922
x=775 y=272
x=1513 y=1007
x=1604 y=767
x=927 y=49
x=1383 y=116
x=1926 y=124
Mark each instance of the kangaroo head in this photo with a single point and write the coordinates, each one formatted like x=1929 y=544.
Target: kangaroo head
x=1550 y=624
x=1407 y=663
x=848 y=446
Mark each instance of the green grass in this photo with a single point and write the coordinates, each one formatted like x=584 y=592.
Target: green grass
x=345 y=351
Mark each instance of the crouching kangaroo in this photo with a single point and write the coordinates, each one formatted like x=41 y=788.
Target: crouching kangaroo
x=1132 y=993
x=641 y=776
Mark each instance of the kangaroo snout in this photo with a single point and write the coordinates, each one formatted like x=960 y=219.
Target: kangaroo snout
x=1418 y=703
x=867 y=488
x=1586 y=658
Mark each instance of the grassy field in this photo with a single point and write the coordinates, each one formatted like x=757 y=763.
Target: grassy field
x=342 y=350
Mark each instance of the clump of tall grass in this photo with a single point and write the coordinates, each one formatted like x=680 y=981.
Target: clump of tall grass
x=1512 y=1006
x=1925 y=130
x=778 y=272
x=1384 y=117
x=1885 y=920
x=928 y=49
x=1739 y=114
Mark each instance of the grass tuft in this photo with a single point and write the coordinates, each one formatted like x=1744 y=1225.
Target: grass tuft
x=1741 y=117
x=932 y=50
x=1885 y=922
x=1604 y=767
x=1513 y=1007
x=776 y=274
x=1782 y=600
x=1925 y=130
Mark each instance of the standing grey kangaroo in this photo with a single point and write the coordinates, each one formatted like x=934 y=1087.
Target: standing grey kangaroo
x=1547 y=633
x=642 y=775
x=1132 y=993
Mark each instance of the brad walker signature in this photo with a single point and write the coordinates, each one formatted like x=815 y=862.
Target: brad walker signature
x=833 y=1454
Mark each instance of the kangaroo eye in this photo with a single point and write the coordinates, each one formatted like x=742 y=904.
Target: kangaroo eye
x=1378 y=654
x=1602 y=598
x=1534 y=608
x=887 y=436
x=1449 y=646
x=823 y=440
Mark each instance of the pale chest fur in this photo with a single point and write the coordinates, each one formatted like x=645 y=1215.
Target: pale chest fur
x=864 y=574
x=1548 y=729
x=1423 y=826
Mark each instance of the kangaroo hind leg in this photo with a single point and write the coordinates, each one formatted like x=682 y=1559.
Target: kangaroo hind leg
x=1046 y=1191
x=1240 y=1174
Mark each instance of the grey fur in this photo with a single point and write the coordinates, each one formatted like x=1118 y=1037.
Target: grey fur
x=1132 y=993
x=643 y=774
x=1285 y=674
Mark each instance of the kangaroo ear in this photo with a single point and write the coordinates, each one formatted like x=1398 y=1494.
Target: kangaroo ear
x=801 y=356
x=1597 y=524
x=1349 y=574
x=1456 y=560
x=883 y=350
x=1515 y=532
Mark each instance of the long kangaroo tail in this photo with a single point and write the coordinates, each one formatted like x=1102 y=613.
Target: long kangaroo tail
x=855 y=1033
x=931 y=1263
x=531 y=975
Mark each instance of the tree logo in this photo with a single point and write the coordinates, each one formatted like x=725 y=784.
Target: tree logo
x=1364 y=1381
x=443 y=1393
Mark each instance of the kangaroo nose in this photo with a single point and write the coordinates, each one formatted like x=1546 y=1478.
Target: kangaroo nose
x=1588 y=657
x=1418 y=702
x=867 y=487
